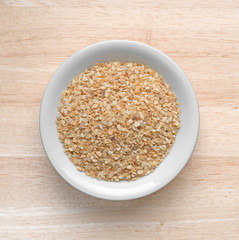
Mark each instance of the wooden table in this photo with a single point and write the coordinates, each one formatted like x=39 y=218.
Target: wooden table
x=202 y=37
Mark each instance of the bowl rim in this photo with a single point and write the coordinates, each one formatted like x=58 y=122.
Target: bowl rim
x=99 y=44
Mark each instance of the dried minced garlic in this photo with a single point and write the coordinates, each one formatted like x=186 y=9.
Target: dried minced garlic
x=118 y=120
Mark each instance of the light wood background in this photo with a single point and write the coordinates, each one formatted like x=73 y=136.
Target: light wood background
x=36 y=36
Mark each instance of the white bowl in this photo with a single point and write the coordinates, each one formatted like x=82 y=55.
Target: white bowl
x=121 y=50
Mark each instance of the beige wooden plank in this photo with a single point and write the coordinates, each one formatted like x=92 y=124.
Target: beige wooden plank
x=194 y=203
x=209 y=181
x=218 y=134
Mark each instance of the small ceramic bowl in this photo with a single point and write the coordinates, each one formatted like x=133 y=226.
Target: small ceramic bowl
x=121 y=50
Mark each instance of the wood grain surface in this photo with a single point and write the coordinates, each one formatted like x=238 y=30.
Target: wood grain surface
x=36 y=36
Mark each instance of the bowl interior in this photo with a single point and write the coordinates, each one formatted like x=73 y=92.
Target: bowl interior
x=121 y=51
